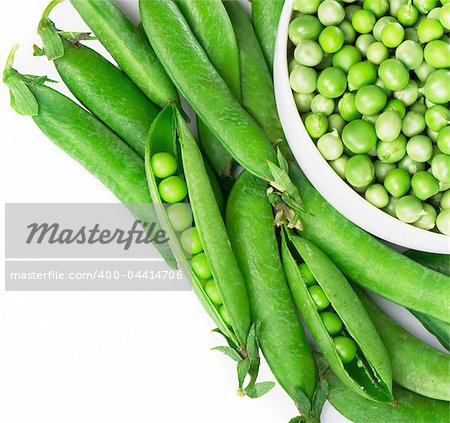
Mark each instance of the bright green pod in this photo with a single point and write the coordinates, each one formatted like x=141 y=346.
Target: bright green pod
x=265 y=17
x=99 y=85
x=369 y=374
x=170 y=134
x=369 y=262
x=407 y=407
x=210 y=97
x=424 y=376
x=129 y=48
x=281 y=338
x=211 y=26
x=87 y=140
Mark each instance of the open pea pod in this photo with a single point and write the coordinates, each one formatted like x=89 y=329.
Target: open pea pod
x=207 y=258
x=337 y=320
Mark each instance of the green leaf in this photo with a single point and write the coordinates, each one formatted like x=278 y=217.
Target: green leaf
x=259 y=389
x=282 y=161
x=230 y=352
x=22 y=99
x=297 y=419
x=252 y=341
x=243 y=368
x=303 y=403
x=319 y=397
x=229 y=340
x=51 y=40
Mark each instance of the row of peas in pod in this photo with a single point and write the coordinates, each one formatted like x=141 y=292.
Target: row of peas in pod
x=371 y=80
x=345 y=346
x=173 y=190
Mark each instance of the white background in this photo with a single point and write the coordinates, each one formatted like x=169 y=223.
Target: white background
x=104 y=357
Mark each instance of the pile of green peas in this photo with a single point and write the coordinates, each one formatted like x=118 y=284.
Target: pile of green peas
x=345 y=346
x=173 y=190
x=371 y=79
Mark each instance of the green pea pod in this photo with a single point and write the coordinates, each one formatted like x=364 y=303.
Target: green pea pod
x=282 y=339
x=424 y=376
x=440 y=263
x=86 y=140
x=407 y=407
x=170 y=134
x=266 y=16
x=369 y=373
x=129 y=48
x=367 y=261
x=258 y=96
x=211 y=26
x=208 y=94
x=100 y=86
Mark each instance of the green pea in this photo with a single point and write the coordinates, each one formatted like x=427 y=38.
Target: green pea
x=190 y=241
x=382 y=169
x=424 y=6
x=379 y=26
x=363 y=43
x=172 y=189
x=445 y=200
x=346 y=57
x=316 y=124
x=361 y=74
x=336 y=122
x=359 y=136
x=429 y=30
x=392 y=35
x=440 y=167
x=292 y=65
x=304 y=27
x=443 y=140
x=332 y=322
x=377 y=53
x=180 y=216
x=164 y=165
x=213 y=293
x=371 y=119
x=424 y=71
x=363 y=21
x=388 y=126
x=443 y=222
x=444 y=16
x=225 y=316
x=390 y=208
x=346 y=348
x=359 y=171
x=413 y=124
x=326 y=62
x=200 y=266
x=397 y=182
x=410 y=54
x=303 y=101
x=308 y=53
x=427 y=220
x=350 y=11
x=330 y=12
x=411 y=34
x=377 y=195
x=409 y=209
x=330 y=146
x=319 y=297
x=394 y=74
x=434 y=14
x=392 y=151
x=339 y=165
x=321 y=104
x=347 y=107
x=307 y=274
x=332 y=82
x=410 y=165
x=407 y=14
x=437 y=117
x=348 y=31
x=370 y=100
x=419 y=148
x=437 y=87
x=419 y=106
x=308 y=7
x=396 y=106
x=437 y=54
x=303 y=79
x=331 y=39
x=378 y=7
x=424 y=185
x=408 y=95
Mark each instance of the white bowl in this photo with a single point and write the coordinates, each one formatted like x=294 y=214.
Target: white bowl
x=341 y=196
